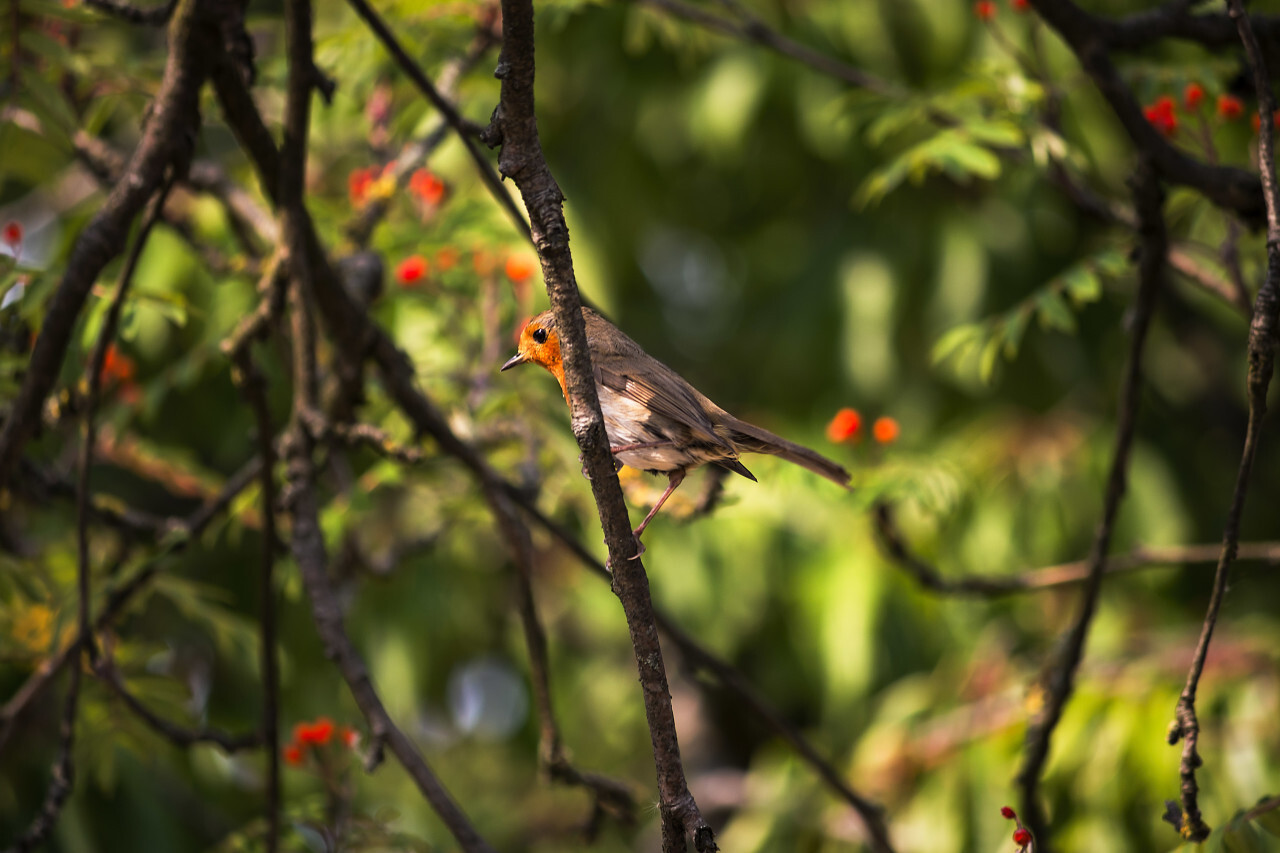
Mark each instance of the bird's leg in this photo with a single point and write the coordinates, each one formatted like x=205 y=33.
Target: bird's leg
x=675 y=478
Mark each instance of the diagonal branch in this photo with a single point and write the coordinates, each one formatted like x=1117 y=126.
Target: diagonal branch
x=106 y=671
x=1058 y=680
x=515 y=128
x=1262 y=345
x=611 y=796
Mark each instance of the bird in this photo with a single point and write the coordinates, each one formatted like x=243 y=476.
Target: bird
x=656 y=421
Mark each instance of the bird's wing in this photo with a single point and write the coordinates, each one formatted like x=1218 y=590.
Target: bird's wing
x=664 y=392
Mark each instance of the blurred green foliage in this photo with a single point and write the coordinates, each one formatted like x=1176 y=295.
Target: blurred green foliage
x=789 y=245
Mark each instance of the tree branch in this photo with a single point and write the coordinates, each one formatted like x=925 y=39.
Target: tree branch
x=1058 y=680
x=1262 y=344
x=106 y=671
x=253 y=386
x=895 y=546
x=610 y=796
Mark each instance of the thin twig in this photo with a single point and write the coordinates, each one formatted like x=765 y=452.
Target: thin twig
x=610 y=796
x=755 y=30
x=1049 y=577
x=64 y=770
x=1262 y=344
x=1058 y=679
x=253 y=387
x=181 y=736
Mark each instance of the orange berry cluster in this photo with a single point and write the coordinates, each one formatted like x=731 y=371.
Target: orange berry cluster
x=1163 y=112
x=847 y=426
x=365 y=184
x=518 y=267
x=314 y=735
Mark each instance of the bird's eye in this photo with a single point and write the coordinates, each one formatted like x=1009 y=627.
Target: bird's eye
x=540 y=336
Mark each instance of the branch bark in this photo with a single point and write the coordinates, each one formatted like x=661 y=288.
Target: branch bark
x=1262 y=345
x=1058 y=681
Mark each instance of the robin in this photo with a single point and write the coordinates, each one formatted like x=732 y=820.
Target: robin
x=656 y=421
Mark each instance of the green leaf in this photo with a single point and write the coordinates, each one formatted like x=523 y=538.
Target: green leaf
x=893 y=121
x=1053 y=312
x=1240 y=836
x=880 y=183
x=1269 y=821
x=990 y=355
x=1004 y=134
x=973 y=159
x=1014 y=328
x=1082 y=285
x=954 y=341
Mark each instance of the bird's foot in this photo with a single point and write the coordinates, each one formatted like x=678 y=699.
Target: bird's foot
x=640 y=549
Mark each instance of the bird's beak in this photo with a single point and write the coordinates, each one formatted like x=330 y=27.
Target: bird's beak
x=518 y=358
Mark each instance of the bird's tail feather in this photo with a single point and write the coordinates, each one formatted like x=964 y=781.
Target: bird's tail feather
x=754 y=439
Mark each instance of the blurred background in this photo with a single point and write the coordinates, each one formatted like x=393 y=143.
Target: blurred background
x=792 y=246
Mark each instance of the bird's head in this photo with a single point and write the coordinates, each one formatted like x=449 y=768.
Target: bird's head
x=540 y=344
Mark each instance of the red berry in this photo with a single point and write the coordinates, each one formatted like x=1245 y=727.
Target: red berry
x=446 y=258
x=116 y=366
x=314 y=734
x=984 y=10
x=1193 y=95
x=292 y=754
x=885 y=430
x=518 y=268
x=1021 y=5
x=411 y=269
x=1230 y=107
x=1160 y=114
x=427 y=187
x=13 y=234
x=844 y=425
x=1022 y=836
x=358 y=184
x=1007 y=813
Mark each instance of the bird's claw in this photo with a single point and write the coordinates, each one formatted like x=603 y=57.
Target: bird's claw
x=640 y=549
